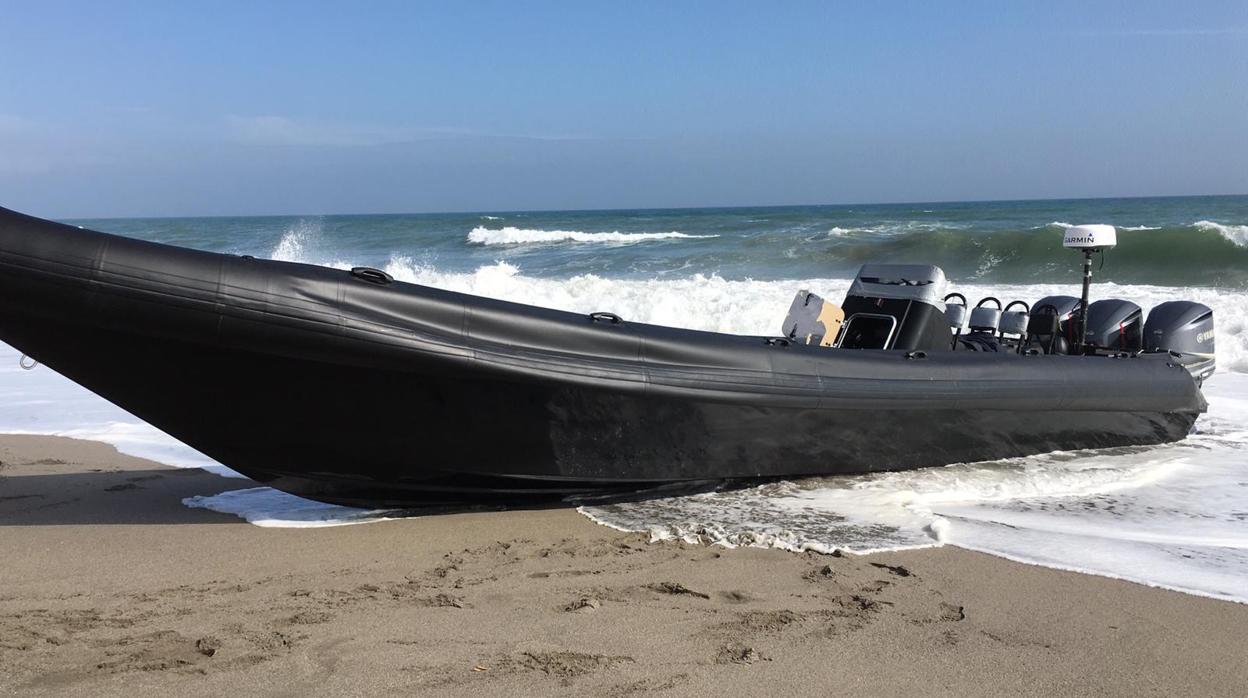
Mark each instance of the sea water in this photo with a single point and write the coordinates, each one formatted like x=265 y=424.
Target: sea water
x=1174 y=516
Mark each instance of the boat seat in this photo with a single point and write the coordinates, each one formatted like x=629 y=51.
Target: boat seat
x=956 y=314
x=1013 y=325
x=985 y=318
x=1044 y=330
x=1014 y=322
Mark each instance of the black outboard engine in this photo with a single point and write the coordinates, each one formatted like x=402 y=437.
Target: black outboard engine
x=1066 y=307
x=1049 y=328
x=1185 y=328
x=1114 y=325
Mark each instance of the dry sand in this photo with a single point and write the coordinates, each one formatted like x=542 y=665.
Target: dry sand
x=109 y=585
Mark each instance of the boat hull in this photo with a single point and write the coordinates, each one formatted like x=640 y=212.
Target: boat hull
x=337 y=389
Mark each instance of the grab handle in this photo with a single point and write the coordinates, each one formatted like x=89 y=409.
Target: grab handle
x=611 y=318
x=371 y=275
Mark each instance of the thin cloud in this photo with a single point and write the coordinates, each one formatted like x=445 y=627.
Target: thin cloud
x=1224 y=31
x=282 y=130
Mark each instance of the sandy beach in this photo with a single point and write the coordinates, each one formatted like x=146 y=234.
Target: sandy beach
x=111 y=585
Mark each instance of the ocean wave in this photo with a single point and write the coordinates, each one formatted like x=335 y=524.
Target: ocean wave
x=1062 y=225
x=294 y=243
x=521 y=236
x=756 y=307
x=709 y=301
x=1237 y=234
x=895 y=228
x=1185 y=255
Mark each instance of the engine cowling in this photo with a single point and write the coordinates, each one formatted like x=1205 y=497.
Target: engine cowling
x=1185 y=328
x=1114 y=325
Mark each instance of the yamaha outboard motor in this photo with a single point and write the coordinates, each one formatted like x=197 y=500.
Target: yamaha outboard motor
x=1065 y=305
x=1049 y=327
x=1186 y=329
x=1114 y=325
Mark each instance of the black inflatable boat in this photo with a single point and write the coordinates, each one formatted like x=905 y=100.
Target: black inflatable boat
x=350 y=387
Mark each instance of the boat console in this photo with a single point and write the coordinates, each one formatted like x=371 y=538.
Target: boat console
x=888 y=306
x=895 y=306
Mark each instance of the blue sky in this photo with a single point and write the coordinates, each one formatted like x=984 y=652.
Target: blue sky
x=129 y=108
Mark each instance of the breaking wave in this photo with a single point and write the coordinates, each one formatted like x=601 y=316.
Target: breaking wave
x=1203 y=254
x=294 y=243
x=1237 y=234
x=756 y=307
x=522 y=236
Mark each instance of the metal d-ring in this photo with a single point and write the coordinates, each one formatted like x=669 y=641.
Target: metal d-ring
x=27 y=363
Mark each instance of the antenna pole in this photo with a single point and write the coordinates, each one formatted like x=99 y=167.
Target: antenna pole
x=1087 y=239
x=1082 y=334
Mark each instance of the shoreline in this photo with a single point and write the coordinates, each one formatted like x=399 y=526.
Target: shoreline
x=112 y=584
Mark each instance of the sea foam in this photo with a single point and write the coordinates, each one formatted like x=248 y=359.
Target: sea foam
x=1168 y=516
x=521 y=236
x=295 y=242
x=265 y=506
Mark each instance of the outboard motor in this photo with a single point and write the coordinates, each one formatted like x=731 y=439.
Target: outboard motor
x=1065 y=305
x=895 y=306
x=1049 y=325
x=1114 y=325
x=1185 y=328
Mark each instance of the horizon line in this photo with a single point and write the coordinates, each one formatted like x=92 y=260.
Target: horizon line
x=654 y=208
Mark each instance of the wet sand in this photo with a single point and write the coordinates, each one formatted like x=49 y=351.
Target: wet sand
x=109 y=585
